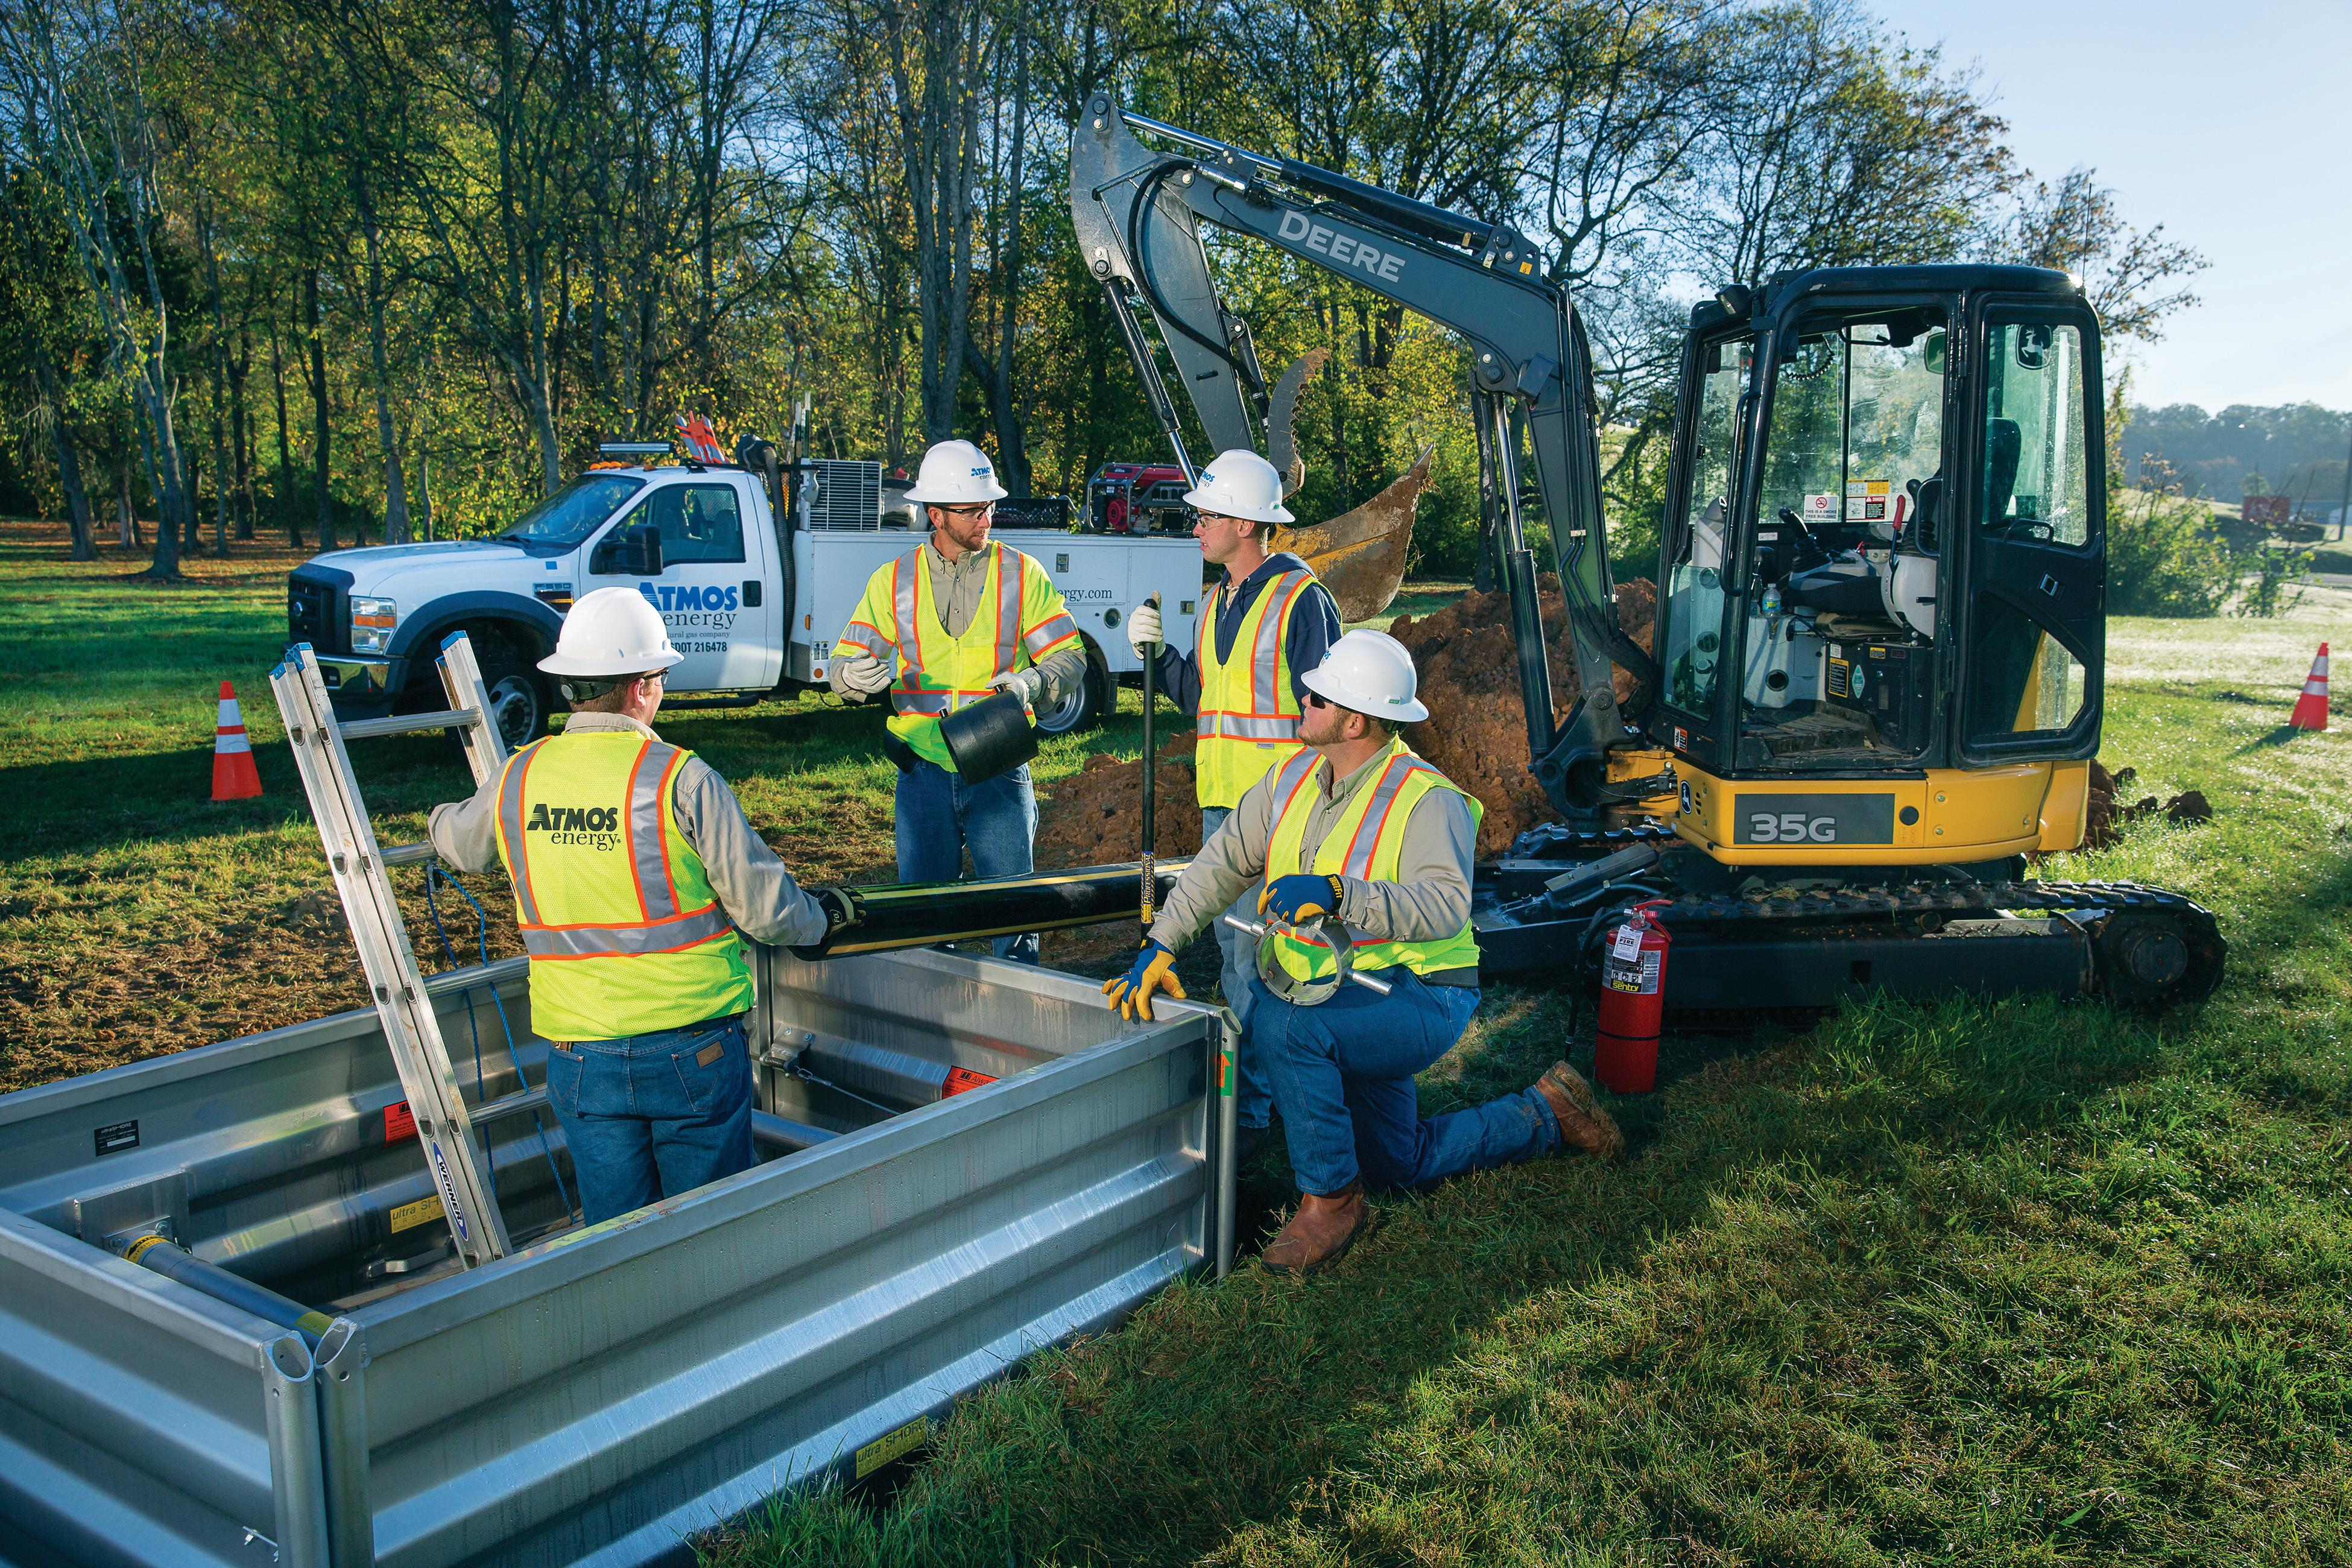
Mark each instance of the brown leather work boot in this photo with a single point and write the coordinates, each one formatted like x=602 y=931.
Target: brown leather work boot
x=1322 y=1229
x=1582 y=1124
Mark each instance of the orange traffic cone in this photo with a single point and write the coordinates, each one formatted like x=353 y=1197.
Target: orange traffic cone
x=233 y=775
x=2311 y=708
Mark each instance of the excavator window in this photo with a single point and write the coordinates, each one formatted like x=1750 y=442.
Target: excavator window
x=2034 y=488
x=1838 y=597
x=1694 y=580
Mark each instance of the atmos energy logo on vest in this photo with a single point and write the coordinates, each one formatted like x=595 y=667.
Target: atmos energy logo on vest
x=589 y=827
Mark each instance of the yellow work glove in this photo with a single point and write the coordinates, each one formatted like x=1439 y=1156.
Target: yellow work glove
x=1154 y=970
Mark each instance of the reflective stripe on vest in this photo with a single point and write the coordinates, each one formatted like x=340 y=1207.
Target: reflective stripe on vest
x=1366 y=843
x=1249 y=715
x=625 y=931
x=937 y=674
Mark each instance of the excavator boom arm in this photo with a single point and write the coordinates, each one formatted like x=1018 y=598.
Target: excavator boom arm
x=1136 y=213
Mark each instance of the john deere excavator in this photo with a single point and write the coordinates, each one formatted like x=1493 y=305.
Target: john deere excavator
x=1878 y=650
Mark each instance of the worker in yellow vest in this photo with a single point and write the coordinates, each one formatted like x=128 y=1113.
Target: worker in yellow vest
x=635 y=879
x=1360 y=841
x=954 y=620
x=1244 y=680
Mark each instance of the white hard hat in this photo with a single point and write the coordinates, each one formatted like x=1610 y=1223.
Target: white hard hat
x=1369 y=672
x=609 y=634
x=1240 y=484
x=956 y=473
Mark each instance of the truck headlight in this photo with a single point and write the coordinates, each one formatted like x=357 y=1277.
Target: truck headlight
x=371 y=624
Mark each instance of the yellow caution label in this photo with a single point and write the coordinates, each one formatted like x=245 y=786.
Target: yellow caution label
x=893 y=1445
x=424 y=1210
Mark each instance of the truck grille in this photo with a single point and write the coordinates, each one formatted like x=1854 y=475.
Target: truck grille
x=310 y=616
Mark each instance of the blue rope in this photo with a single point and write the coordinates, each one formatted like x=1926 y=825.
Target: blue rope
x=482 y=945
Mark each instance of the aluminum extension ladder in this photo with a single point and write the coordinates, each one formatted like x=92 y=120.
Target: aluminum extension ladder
x=446 y=1127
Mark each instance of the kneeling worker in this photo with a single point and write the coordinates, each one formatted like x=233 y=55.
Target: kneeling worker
x=955 y=620
x=633 y=870
x=1359 y=828
x=1244 y=682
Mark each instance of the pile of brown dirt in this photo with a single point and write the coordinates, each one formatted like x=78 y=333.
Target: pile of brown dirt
x=1477 y=734
x=1093 y=817
x=2110 y=807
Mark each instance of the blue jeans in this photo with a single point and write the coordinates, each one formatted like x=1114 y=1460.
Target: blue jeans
x=1342 y=1074
x=1254 y=1103
x=940 y=816
x=655 y=1115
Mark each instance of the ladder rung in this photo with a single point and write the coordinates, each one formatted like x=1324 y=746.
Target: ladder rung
x=450 y=980
x=406 y=723
x=408 y=854
x=507 y=1105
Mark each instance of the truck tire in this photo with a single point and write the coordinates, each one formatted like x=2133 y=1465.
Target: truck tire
x=1085 y=706
x=519 y=695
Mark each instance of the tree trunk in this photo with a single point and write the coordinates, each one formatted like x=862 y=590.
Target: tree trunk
x=240 y=369
x=216 y=367
x=318 y=454
x=165 y=564
x=126 y=521
x=286 y=512
x=52 y=395
x=395 y=493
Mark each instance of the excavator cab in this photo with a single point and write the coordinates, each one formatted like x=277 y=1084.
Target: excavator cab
x=1881 y=611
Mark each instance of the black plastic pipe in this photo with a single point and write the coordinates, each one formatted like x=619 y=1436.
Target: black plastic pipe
x=183 y=1266
x=923 y=914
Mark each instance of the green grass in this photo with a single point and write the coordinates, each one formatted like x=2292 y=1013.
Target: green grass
x=1973 y=1283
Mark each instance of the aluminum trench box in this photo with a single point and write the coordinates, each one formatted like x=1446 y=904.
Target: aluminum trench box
x=603 y=1394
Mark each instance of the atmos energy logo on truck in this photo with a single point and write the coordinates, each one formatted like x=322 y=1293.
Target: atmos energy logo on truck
x=708 y=610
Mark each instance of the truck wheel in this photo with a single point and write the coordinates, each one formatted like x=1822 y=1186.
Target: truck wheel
x=1085 y=706
x=518 y=694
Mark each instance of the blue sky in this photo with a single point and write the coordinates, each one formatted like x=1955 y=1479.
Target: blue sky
x=2230 y=125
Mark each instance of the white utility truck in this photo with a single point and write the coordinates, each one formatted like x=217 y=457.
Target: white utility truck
x=755 y=566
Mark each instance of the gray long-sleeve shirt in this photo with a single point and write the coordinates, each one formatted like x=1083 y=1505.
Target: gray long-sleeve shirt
x=1429 y=900
x=956 y=589
x=754 y=887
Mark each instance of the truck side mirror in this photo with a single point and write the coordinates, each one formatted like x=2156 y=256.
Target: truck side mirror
x=630 y=552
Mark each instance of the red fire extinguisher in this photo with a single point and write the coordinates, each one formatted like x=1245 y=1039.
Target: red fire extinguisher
x=1632 y=995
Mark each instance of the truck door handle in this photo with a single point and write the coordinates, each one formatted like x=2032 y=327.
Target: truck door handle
x=752 y=595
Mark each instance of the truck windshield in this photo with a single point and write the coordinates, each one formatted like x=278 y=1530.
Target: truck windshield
x=575 y=511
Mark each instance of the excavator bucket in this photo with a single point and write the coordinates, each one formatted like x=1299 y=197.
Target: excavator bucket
x=1359 y=555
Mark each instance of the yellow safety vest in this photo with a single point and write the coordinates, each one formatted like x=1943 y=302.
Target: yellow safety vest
x=1249 y=715
x=1021 y=620
x=625 y=931
x=1366 y=843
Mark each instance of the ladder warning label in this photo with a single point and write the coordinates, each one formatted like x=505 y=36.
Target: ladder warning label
x=408 y=1216
x=893 y=1444
x=962 y=1079
x=399 y=1122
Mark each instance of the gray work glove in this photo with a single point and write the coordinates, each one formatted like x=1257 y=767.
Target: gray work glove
x=1026 y=684
x=867 y=675
x=842 y=906
x=1143 y=630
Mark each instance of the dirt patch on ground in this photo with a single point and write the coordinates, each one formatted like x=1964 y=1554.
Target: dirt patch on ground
x=1476 y=734
x=2112 y=806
